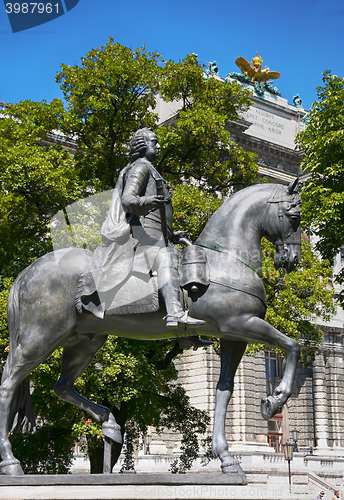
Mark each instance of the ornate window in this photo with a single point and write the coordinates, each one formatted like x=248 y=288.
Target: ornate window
x=272 y=365
x=275 y=433
x=273 y=370
x=342 y=255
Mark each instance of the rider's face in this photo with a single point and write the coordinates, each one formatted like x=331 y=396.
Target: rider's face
x=153 y=146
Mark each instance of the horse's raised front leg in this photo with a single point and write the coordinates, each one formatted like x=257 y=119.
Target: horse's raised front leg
x=262 y=332
x=77 y=354
x=231 y=354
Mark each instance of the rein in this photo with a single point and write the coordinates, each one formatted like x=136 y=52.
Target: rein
x=220 y=249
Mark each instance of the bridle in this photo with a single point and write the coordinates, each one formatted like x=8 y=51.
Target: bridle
x=284 y=215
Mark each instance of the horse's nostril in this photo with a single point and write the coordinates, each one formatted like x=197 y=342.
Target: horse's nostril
x=296 y=260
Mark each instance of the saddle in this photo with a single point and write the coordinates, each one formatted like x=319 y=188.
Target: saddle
x=139 y=292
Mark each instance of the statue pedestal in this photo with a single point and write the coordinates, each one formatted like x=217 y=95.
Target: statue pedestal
x=139 y=487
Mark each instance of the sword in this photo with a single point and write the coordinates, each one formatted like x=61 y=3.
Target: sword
x=160 y=192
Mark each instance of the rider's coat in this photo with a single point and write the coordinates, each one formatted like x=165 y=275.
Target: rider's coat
x=133 y=237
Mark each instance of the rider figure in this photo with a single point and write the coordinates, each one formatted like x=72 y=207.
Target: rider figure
x=138 y=239
x=143 y=206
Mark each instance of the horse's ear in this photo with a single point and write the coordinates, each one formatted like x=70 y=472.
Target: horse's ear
x=292 y=186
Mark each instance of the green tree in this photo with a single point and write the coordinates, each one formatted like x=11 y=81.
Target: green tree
x=193 y=208
x=48 y=451
x=323 y=144
x=138 y=381
x=5 y=286
x=35 y=181
x=108 y=97
x=196 y=144
x=113 y=93
x=37 y=178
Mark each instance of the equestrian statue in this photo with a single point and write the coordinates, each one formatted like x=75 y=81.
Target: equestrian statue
x=139 y=285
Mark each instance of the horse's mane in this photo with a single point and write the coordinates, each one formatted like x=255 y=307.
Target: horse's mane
x=240 y=196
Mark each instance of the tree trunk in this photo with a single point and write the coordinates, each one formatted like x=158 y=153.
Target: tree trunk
x=95 y=451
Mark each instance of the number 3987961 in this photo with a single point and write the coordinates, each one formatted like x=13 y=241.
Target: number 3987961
x=32 y=8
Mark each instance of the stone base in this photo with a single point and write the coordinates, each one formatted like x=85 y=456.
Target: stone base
x=121 y=479
x=139 y=487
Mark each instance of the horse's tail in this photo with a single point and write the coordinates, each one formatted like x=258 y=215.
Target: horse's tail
x=22 y=412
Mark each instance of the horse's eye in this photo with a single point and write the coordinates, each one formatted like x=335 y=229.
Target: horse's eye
x=294 y=219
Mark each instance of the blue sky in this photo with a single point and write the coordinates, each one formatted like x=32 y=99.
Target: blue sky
x=299 y=39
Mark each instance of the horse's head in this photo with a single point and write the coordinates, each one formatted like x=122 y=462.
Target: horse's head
x=282 y=226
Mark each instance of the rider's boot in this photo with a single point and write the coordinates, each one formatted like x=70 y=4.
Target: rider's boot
x=168 y=283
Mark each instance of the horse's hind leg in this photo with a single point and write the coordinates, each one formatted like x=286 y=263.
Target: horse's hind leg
x=77 y=354
x=12 y=395
x=231 y=354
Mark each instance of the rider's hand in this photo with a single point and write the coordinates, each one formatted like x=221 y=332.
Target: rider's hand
x=153 y=202
x=180 y=234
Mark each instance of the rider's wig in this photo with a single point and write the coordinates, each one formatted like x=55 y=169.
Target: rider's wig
x=138 y=143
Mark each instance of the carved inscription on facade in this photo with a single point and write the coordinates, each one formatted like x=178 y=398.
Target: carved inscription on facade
x=264 y=120
x=271 y=126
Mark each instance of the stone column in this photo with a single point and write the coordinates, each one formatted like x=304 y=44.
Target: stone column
x=321 y=414
x=335 y=392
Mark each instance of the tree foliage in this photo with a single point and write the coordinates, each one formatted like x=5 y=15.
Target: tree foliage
x=138 y=382
x=109 y=96
x=192 y=209
x=323 y=144
x=48 y=451
x=35 y=181
x=196 y=144
x=113 y=93
x=5 y=286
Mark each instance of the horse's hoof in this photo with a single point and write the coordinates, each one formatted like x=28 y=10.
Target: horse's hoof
x=234 y=468
x=11 y=468
x=112 y=431
x=270 y=406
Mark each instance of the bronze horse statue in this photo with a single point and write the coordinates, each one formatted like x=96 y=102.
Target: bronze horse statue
x=42 y=315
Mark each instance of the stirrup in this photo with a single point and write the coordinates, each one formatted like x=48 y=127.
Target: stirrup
x=184 y=318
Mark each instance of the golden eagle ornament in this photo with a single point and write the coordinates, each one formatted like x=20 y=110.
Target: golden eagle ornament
x=255 y=71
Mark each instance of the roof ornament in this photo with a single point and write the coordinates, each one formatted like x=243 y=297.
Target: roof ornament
x=255 y=71
x=211 y=71
x=253 y=74
x=297 y=101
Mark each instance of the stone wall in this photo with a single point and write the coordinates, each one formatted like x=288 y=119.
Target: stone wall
x=316 y=407
x=300 y=406
x=199 y=371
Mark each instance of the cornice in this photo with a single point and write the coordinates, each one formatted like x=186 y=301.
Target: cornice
x=281 y=176
x=269 y=147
